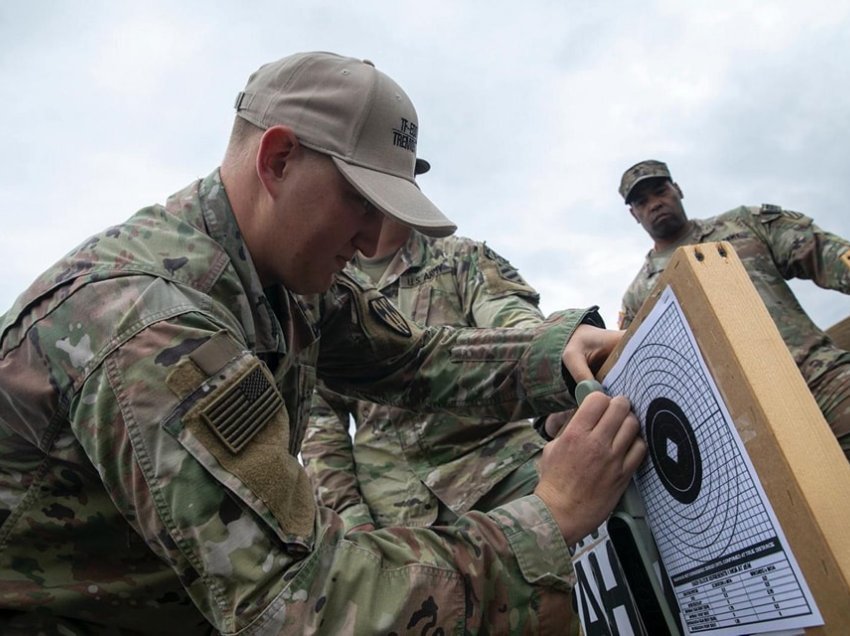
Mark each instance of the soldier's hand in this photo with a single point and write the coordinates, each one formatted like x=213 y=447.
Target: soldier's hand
x=587 y=349
x=555 y=422
x=584 y=471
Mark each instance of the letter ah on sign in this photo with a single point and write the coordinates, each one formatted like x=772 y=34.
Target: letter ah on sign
x=605 y=603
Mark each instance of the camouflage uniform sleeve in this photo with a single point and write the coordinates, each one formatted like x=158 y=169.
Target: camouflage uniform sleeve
x=328 y=458
x=496 y=294
x=801 y=249
x=190 y=436
x=630 y=306
x=507 y=374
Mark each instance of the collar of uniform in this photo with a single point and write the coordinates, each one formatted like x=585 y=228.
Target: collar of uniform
x=415 y=251
x=411 y=255
x=298 y=327
x=657 y=261
x=265 y=334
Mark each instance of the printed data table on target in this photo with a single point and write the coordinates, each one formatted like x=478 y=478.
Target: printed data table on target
x=755 y=590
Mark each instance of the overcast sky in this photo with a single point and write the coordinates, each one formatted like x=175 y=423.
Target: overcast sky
x=529 y=113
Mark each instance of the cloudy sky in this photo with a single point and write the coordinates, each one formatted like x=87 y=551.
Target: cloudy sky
x=529 y=113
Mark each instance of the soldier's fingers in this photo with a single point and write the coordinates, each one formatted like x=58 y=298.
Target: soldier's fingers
x=617 y=411
x=588 y=415
x=575 y=360
x=625 y=435
x=634 y=456
x=587 y=349
x=555 y=422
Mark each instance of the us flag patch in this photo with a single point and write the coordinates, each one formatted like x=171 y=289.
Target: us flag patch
x=243 y=409
x=387 y=312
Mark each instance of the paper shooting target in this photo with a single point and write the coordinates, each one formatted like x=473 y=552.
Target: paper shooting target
x=717 y=536
x=690 y=481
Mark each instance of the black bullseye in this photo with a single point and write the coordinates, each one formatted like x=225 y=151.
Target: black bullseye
x=673 y=450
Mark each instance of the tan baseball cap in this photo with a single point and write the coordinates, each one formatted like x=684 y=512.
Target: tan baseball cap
x=348 y=109
x=648 y=169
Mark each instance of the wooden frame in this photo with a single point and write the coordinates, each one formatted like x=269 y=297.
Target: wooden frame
x=800 y=464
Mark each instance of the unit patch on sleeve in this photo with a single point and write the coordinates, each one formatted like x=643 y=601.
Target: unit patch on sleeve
x=502 y=278
x=387 y=313
x=242 y=411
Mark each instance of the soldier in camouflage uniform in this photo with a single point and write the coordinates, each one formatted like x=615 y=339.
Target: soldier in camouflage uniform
x=774 y=245
x=155 y=385
x=406 y=468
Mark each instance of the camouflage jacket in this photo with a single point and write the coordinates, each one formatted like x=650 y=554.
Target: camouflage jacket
x=774 y=245
x=152 y=402
x=401 y=462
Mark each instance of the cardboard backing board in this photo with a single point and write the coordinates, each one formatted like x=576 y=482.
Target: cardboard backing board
x=799 y=463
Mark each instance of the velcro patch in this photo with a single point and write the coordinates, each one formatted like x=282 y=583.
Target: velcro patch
x=387 y=313
x=502 y=277
x=770 y=211
x=214 y=354
x=243 y=410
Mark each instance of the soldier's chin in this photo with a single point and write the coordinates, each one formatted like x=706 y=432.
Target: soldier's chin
x=666 y=227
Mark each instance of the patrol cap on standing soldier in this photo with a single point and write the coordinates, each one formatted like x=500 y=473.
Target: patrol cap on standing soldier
x=649 y=169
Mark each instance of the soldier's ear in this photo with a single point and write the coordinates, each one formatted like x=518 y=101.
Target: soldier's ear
x=277 y=146
x=634 y=216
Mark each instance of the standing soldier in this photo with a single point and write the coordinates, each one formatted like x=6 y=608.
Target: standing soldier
x=774 y=246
